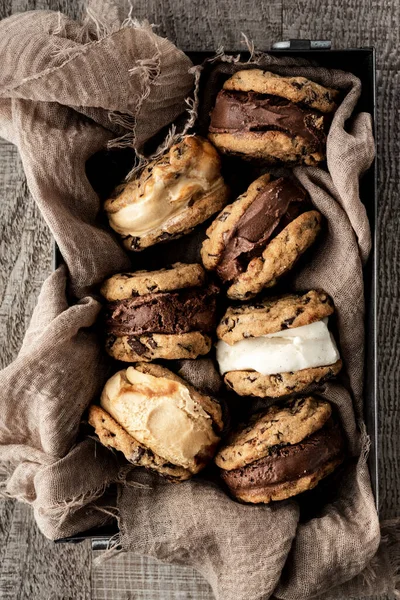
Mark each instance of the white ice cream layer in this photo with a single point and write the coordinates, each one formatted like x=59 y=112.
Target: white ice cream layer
x=288 y=350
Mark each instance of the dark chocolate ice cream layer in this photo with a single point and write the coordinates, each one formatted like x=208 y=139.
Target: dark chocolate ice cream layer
x=277 y=204
x=249 y=111
x=290 y=462
x=181 y=311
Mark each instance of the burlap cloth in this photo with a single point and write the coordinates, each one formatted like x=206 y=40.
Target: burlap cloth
x=66 y=90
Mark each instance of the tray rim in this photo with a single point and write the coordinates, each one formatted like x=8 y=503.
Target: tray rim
x=100 y=537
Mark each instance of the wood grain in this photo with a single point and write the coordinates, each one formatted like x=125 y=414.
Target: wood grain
x=348 y=24
x=33 y=567
x=143 y=578
x=389 y=291
x=30 y=566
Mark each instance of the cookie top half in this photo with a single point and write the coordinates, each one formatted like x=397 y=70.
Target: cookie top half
x=140 y=283
x=295 y=89
x=274 y=314
x=281 y=424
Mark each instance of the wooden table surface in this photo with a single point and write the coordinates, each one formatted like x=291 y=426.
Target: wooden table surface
x=33 y=568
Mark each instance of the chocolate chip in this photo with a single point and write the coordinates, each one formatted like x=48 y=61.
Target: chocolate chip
x=251 y=378
x=287 y=322
x=151 y=288
x=137 y=346
x=297 y=85
x=135 y=243
x=151 y=342
x=306 y=300
x=299 y=310
x=223 y=217
x=178 y=151
x=188 y=348
x=165 y=236
x=110 y=340
x=278 y=377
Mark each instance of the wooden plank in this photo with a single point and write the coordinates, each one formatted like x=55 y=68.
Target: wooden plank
x=348 y=24
x=207 y=25
x=389 y=291
x=33 y=567
x=143 y=578
x=25 y=250
x=30 y=565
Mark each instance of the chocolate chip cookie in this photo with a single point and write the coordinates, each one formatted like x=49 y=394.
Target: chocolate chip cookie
x=140 y=283
x=282 y=452
x=172 y=195
x=252 y=383
x=259 y=237
x=278 y=119
x=279 y=346
x=154 y=346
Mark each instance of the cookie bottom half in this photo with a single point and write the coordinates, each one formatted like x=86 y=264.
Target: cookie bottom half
x=153 y=346
x=273 y=146
x=253 y=383
x=266 y=493
x=289 y=469
x=112 y=435
x=278 y=257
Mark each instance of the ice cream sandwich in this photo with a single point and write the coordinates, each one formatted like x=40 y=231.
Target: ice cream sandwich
x=259 y=237
x=164 y=314
x=282 y=452
x=170 y=196
x=279 y=346
x=158 y=421
x=278 y=119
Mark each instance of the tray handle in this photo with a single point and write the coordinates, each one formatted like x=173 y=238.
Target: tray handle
x=302 y=45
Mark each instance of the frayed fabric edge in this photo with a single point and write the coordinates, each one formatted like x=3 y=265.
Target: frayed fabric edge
x=114 y=548
x=61 y=511
x=192 y=102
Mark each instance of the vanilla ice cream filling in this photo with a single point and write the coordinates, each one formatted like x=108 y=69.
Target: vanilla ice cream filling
x=281 y=352
x=155 y=208
x=160 y=414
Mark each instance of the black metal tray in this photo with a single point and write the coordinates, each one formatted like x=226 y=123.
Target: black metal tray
x=361 y=62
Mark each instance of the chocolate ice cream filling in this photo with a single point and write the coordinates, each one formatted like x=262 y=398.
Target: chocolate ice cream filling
x=181 y=311
x=291 y=462
x=277 y=204
x=249 y=111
